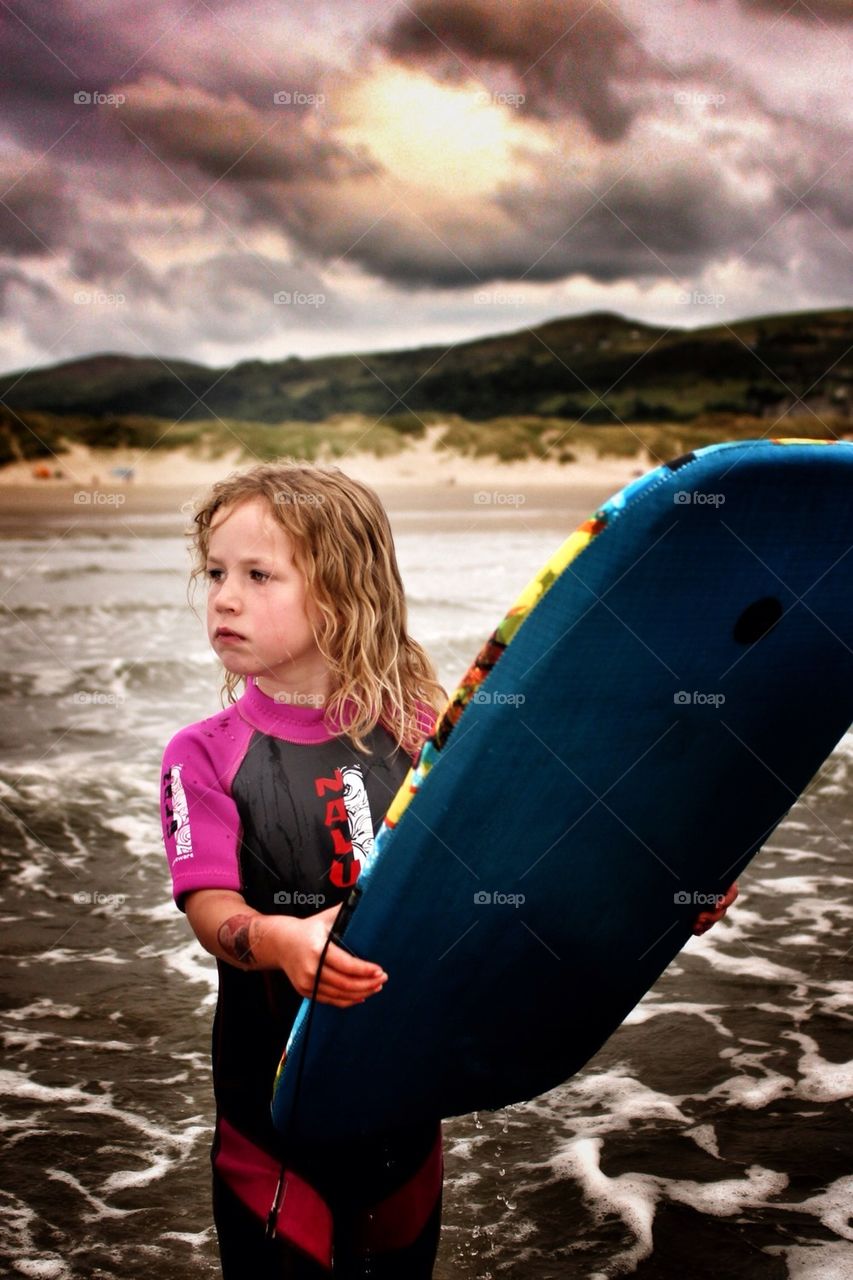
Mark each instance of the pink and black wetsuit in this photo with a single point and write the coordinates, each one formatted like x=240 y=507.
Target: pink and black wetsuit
x=263 y=799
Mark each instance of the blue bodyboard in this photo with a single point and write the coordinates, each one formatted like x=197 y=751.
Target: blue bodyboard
x=622 y=746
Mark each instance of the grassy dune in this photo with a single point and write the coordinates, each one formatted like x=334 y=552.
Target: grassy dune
x=31 y=436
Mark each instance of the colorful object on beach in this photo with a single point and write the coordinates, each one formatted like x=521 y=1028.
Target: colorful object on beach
x=623 y=744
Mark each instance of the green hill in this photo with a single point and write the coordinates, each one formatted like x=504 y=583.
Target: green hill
x=600 y=366
x=599 y=369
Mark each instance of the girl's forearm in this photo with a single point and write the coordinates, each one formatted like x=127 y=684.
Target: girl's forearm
x=231 y=930
x=239 y=939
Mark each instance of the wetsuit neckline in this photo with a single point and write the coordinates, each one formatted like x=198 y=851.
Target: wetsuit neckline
x=292 y=721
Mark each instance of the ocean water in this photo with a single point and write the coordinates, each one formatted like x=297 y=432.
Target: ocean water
x=711 y=1136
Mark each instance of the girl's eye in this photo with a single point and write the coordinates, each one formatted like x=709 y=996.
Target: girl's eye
x=257 y=575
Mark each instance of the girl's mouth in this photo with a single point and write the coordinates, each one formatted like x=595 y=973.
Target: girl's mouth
x=225 y=633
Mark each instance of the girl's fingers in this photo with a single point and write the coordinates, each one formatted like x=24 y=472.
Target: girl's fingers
x=340 y=961
x=354 y=986
x=344 y=978
x=329 y=982
x=329 y=993
x=334 y=995
x=332 y=981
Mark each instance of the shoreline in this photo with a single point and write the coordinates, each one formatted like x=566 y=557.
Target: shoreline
x=166 y=510
x=418 y=463
x=418 y=485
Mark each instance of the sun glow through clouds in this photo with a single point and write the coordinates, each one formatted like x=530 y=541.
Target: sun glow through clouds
x=428 y=135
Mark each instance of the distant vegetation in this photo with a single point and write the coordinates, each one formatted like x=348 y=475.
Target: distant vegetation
x=596 y=382
x=30 y=436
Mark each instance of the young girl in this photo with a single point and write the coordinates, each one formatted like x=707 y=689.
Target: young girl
x=269 y=809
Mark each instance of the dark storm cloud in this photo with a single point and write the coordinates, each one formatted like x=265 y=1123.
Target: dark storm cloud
x=198 y=99
x=555 y=228
x=49 y=55
x=566 y=55
x=223 y=135
x=36 y=212
x=51 y=52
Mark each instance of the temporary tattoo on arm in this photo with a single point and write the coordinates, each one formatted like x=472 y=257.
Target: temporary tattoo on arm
x=234 y=937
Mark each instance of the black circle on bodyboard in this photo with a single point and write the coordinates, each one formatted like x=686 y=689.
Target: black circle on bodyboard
x=757 y=619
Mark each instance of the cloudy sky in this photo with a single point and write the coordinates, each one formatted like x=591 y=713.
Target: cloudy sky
x=221 y=180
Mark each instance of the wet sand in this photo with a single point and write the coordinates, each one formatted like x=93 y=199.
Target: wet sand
x=51 y=507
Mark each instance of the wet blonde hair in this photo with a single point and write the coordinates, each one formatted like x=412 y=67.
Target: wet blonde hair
x=343 y=544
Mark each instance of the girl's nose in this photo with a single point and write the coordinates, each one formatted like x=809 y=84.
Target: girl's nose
x=227 y=597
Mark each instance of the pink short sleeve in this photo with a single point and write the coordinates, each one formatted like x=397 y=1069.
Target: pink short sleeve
x=201 y=825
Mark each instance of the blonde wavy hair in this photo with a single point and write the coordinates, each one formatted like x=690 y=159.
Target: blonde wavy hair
x=343 y=545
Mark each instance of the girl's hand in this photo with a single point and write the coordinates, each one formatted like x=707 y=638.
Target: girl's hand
x=298 y=944
x=707 y=919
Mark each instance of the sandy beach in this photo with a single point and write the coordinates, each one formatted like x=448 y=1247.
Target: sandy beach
x=420 y=478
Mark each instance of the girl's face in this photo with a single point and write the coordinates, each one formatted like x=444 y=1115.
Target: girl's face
x=258 y=613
